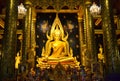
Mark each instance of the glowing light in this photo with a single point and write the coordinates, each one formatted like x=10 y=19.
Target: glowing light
x=21 y=10
x=95 y=10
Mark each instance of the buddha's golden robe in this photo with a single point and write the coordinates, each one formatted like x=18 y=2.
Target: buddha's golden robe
x=58 y=49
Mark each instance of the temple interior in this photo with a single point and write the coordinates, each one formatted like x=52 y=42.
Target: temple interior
x=59 y=40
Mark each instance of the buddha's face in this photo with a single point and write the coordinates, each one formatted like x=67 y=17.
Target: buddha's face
x=17 y=54
x=57 y=35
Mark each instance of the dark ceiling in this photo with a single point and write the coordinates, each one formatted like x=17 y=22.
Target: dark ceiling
x=116 y=5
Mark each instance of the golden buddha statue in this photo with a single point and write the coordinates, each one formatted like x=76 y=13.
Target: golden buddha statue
x=100 y=54
x=17 y=60
x=56 y=48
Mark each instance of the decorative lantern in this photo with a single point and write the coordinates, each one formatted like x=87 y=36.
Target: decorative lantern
x=21 y=11
x=95 y=10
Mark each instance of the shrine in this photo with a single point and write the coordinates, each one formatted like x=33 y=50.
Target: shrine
x=59 y=40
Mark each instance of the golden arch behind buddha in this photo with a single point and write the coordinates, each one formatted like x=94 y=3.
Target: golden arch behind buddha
x=57 y=48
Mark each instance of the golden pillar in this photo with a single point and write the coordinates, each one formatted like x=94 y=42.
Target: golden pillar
x=33 y=41
x=81 y=34
x=112 y=58
x=26 y=33
x=32 y=37
x=10 y=38
x=91 y=54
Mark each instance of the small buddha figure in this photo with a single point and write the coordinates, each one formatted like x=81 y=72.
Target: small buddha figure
x=17 y=60
x=100 y=54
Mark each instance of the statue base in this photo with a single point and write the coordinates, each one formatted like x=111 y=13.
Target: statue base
x=52 y=62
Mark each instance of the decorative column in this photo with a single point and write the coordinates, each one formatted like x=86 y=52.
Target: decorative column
x=26 y=34
x=32 y=35
x=81 y=34
x=111 y=52
x=10 y=38
x=91 y=55
x=33 y=41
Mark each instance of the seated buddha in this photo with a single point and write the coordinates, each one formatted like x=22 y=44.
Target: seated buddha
x=56 y=48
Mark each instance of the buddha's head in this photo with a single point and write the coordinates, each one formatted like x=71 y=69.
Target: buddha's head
x=57 y=33
x=18 y=54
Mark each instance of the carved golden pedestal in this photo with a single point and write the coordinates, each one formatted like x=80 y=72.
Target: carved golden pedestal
x=52 y=62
